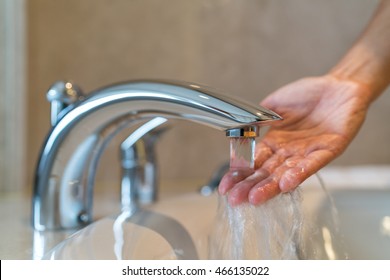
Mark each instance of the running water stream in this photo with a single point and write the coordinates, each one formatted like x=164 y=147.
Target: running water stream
x=268 y=231
x=242 y=153
x=273 y=230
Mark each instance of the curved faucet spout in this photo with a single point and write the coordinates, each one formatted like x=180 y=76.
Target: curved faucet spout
x=66 y=168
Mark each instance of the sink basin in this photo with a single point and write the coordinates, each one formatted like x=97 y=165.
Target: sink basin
x=343 y=223
x=364 y=222
x=175 y=228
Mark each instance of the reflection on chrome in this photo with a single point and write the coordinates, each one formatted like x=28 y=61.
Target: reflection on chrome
x=83 y=126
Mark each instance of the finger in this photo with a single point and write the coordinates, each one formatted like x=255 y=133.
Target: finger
x=239 y=193
x=264 y=191
x=232 y=177
x=262 y=154
x=269 y=187
x=274 y=162
x=294 y=176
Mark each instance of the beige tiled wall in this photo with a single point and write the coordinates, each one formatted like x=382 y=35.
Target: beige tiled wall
x=248 y=48
x=12 y=97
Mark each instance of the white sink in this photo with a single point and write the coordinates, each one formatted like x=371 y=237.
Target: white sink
x=180 y=228
x=174 y=228
x=364 y=222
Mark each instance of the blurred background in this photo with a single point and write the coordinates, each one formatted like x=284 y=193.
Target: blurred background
x=246 y=48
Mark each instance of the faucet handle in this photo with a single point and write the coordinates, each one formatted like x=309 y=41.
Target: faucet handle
x=139 y=167
x=215 y=179
x=62 y=94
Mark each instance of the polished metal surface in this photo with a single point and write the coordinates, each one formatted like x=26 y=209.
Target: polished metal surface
x=212 y=185
x=139 y=184
x=60 y=95
x=66 y=169
x=243 y=132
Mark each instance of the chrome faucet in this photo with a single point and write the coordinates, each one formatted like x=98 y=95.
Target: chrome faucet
x=84 y=124
x=139 y=184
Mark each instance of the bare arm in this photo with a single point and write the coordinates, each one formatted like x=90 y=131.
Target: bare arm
x=321 y=115
x=368 y=61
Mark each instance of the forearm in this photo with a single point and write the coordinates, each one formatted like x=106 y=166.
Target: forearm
x=368 y=61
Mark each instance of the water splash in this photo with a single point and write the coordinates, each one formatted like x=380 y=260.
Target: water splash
x=277 y=229
x=268 y=231
x=272 y=230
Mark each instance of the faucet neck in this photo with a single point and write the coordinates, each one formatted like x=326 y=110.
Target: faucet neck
x=66 y=168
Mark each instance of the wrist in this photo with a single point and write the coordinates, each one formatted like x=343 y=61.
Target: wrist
x=368 y=62
x=364 y=68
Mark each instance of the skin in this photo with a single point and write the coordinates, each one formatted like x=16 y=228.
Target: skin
x=322 y=115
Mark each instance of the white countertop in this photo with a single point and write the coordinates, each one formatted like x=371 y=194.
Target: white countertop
x=19 y=241
x=16 y=233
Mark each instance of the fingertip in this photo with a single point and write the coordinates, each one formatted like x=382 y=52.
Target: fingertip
x=223 y=187
x=221 y=190
x=263 y=192
x=233 y=177
x=239 y=193
x=234 y=200
x=291 y=179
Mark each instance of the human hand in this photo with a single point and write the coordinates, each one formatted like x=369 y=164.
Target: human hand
x=321 y=117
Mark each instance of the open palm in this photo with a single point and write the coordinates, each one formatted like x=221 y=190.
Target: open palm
x=321 y=117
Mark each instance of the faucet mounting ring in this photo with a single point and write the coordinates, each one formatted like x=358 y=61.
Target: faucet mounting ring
x=243 y=132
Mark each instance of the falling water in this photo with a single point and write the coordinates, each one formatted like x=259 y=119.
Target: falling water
x=273 y=230
x=268 y=231
x=242 y=153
